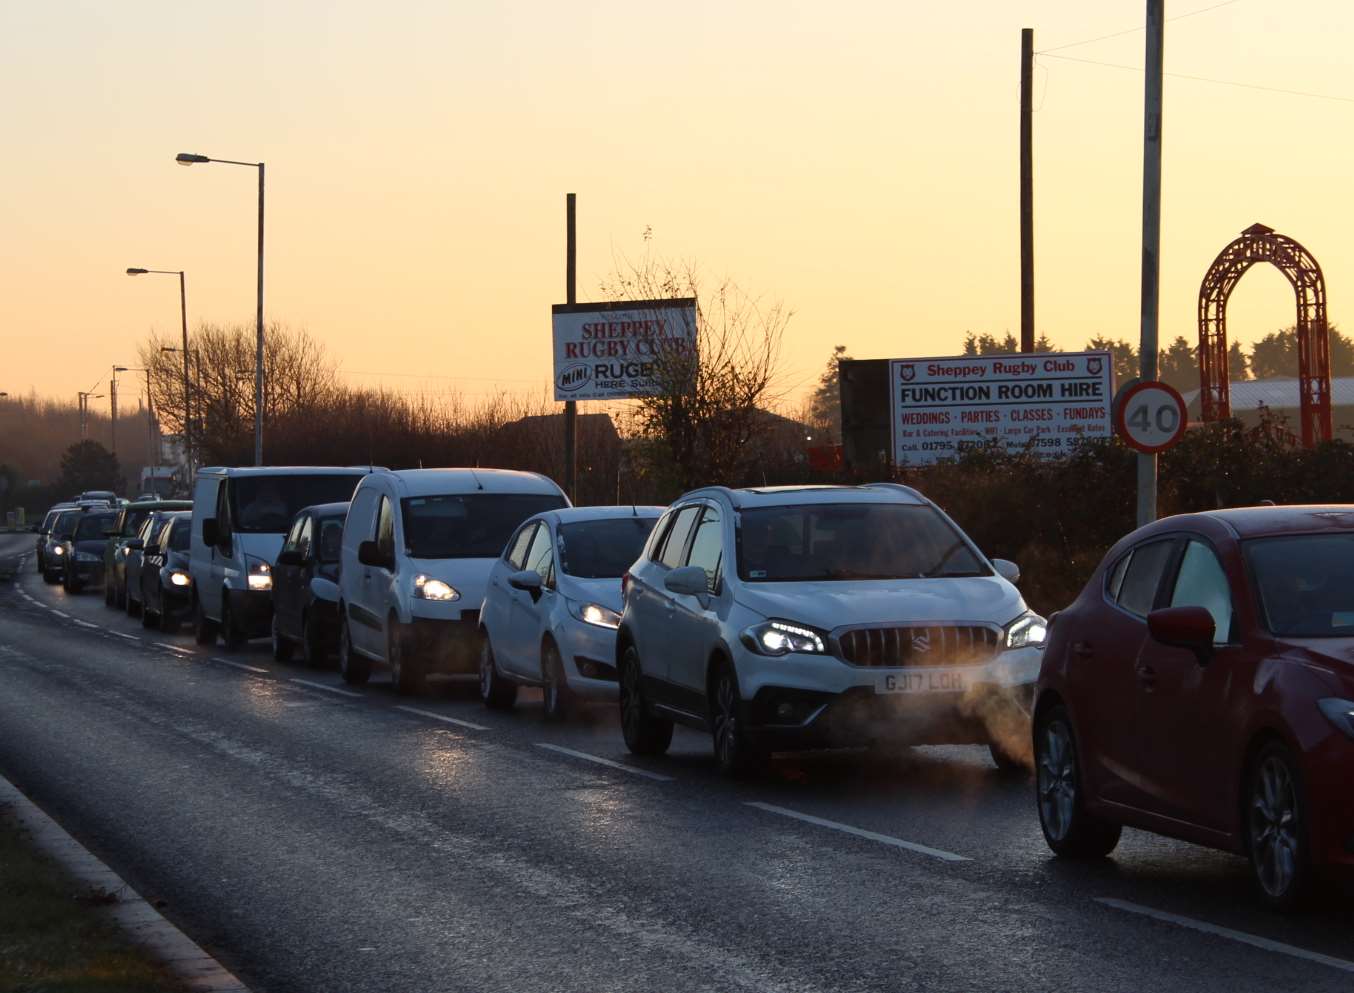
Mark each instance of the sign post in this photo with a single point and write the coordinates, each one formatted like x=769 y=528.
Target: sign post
x=1151 y=238
x=570 y=296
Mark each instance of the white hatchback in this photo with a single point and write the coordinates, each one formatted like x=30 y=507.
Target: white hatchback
x=554 y=602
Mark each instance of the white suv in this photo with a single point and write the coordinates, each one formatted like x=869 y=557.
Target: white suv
x=815 y=616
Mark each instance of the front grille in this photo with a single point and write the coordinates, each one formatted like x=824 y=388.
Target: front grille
x=897 y=647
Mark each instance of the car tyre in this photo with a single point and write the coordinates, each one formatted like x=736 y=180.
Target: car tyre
x=50 y=578
x=313 y=651
x=645 y=734
x=282 y=647
x=1069 y=829
x=354 y=668
x=555 y=692
x=735 y=753
x=1277 y=837
x=497 y=691
x=204 y=628
x=232 y=639
x=149 y=618
x=406 y=672
x=169 y=624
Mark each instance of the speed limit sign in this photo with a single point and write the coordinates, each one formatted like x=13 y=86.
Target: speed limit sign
x=1150 y=416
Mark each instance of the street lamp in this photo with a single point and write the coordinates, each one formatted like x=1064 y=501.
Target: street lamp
x=84 y=397
x=183 y=313
x=113 y=405
x=187 y=158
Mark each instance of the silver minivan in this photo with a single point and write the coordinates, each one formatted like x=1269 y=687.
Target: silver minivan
x=240 y=517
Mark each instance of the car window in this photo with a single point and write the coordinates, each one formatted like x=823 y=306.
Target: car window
x=385 y=529
x=468 y=525
x=541 y=556
x=146 y=527
x=92 y=526
x=1200 y=582
x=179 y=536
x=1138 y=592
x=331 y=539
x=516 y=553
x=303 y=539
x=223 y=521
x=267 y=504
x=602 y=549
x=674 y=542
x=1114 y=579
x=707 y=547
x=163 y=534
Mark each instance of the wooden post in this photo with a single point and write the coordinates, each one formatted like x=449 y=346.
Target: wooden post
x=570 y=296
x=1026 y=192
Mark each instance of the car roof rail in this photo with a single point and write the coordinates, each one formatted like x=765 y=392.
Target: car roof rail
x=727 y=492
x=901 y=488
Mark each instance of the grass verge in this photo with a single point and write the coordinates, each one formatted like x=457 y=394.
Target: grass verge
x=56 y=935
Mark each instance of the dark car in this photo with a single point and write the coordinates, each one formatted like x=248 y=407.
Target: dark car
x=53 y=552
x=44 y=533
x=82 y=551
x=166 y=588
x=133 y=557
x=1202 y=687
x=129 y=521
x=305 y=585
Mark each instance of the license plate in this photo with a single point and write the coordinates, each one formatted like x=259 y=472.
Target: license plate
x=923 y=681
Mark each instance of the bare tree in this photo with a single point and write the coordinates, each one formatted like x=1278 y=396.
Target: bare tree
x=712 y=399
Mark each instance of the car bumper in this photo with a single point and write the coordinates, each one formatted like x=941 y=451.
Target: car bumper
x=252 y=612
x=85 y=572
x=815 y=705
x=177 y=601
x=445 y=645
x=589 y=654
x=1326 y=773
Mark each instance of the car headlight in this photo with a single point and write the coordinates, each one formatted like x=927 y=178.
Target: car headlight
x=428 y=588
x=1027 y=631
x=58 y=550
x=260 y=575
x=781 y=638
x=595 y=613
x=177 y=578
x=1340 y=713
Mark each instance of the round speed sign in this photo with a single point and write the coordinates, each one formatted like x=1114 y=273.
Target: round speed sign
x=1150 y=416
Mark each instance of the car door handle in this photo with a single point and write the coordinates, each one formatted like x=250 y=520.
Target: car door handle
x=1083 y=649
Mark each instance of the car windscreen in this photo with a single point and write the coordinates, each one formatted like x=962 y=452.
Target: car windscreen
x=92 y=525
x=65 y=523
x=132 y=522
x=269 y=504
x=602 y=549
x=468 y=525
x=1305 y=583
x=180 y=533
x=330 y=532
x=851 y=541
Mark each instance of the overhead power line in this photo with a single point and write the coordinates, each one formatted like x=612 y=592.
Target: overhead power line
x=1120 y=34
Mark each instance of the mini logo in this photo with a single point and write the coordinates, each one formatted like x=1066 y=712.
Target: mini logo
x=1093 y=365
x=907 y=372
x=574 y=377
x=921 y=643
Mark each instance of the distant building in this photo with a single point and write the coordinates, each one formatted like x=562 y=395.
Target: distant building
x=1282 y=399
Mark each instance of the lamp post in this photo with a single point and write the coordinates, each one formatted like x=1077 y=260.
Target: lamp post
x=113 y=406
x=183 y=313
x=187 y=159
x=84 y=397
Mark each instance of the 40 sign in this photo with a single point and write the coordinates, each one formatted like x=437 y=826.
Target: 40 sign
x=1150 y=416
x=611 y=351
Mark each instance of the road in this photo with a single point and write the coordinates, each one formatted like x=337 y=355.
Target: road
x=321 y=839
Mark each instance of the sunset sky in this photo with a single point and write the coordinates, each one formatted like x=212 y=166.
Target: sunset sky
x=855 y=160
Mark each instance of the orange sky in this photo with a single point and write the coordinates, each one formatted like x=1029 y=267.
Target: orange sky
x=855 y=160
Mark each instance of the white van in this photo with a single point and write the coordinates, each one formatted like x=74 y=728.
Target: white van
x=418 y=546
x=240 y=517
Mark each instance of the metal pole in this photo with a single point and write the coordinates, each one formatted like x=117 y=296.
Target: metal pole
x=84 y=431
x=258 y=353
x=1151 y=238
x=1026 y=192
x=150 y=424
x=570 y=296
x=187 y=403
x=113 y=403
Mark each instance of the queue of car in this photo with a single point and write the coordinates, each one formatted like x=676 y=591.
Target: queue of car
x=1199 y=687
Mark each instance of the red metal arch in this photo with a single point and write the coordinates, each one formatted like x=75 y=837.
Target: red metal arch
x=1261 y=244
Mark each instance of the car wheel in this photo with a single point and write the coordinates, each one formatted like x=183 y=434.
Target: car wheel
x=169 y=624
x=109 y=594
x=1007 y=764
x=496 y=690
x=644 y=733
x=1069 y=830
x=406 y=675
x=355 y=669
x=50 y=578
x=555 y=689
x=131 y=605
x=204 y=628
x=282 y=648
x=1276 y=829
x=313 y=652
x=232 y=639
x=120 y=597
x=149 y=618
x=734 y=753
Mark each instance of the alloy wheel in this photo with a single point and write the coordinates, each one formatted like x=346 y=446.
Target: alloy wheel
x=1274 y=826
x=726 y=720
x=632 y=705
x=1057 y=780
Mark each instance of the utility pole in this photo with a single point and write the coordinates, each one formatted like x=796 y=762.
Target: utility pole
x=258 y=345
x=1026 y=191
x=152 y=457
x=113 y=403
x=1151 y=237
x=570 y=296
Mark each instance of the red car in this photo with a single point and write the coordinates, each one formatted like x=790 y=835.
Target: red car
x=1202 y=687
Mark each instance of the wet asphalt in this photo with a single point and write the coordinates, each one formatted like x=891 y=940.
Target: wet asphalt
x=317 y=838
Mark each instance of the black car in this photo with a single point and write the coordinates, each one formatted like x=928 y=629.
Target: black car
x=305 y=585
x=133 y=558
x=128 y=526
x=53 y=552
x=45 y=534
x=82 y=552
x=166 y=588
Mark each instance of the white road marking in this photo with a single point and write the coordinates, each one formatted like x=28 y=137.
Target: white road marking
x=883 y=839
x=239 y=665
x=443 y=717
x=179 y=649
x=1255 y=941
x=606 y=762
x=119 y=634
x=327 y=689
x=60 y=613
x=86 y=624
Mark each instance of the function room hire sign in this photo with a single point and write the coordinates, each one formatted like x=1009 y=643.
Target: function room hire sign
x=1048 y=401
x=610 y=351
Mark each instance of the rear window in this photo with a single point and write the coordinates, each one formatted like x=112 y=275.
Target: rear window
x=468 y=525
x=268 y=504
x=92 y=525
x=1138 y=591
x=602 y=549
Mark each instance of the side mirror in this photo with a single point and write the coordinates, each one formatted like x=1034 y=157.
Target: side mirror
x=135 y=545
x=151 y=549
x=369 y=553
x=1184 y=627
x=689 y=580
x=527 y=581
x=290 y=557
x=1007 y=570
x=211 y=534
